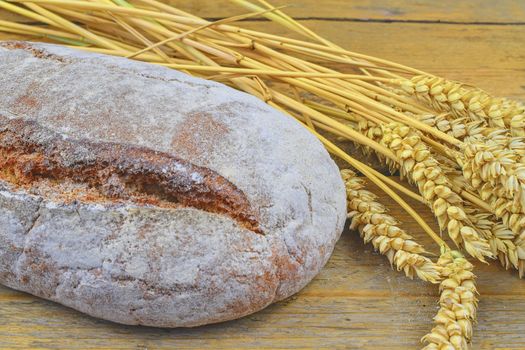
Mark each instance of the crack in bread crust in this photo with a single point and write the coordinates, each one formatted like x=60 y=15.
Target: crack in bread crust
x=31 y=153
x=22 y=45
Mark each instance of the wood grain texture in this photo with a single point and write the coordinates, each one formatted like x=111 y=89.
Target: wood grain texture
x=445 y=11
x=398 y=10
x=491 y=57
x=358 y=301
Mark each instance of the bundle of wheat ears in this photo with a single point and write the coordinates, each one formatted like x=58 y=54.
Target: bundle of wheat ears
x=461 y=148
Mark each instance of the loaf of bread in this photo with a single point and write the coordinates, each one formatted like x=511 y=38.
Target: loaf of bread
x=141 y=195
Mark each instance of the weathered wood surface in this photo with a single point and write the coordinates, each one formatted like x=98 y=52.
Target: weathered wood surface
x=358 y=301
x=486 y=11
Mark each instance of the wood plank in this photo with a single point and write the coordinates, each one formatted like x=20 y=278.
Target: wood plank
x=397 y=10
x=446 y=11
x=491 y=57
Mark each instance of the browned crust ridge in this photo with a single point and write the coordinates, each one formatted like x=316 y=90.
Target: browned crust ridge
x=31 y=153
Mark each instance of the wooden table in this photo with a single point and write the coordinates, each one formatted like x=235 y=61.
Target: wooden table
x=358 y=301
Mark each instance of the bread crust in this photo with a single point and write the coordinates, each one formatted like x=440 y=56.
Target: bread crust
x=140 y=195
x=32 y=154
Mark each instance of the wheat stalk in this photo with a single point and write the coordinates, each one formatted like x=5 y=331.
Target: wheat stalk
x=468 y=102
x=459 y=128
x=418 y=164
x=440 y=193
x=458 y=304
x=499 y=236
x=493 y=166
x=377 y=178
x=370 y=218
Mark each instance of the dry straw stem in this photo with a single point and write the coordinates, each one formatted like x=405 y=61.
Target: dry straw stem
x=355 y=99
x=326 y=45
x=199 y=48
x=369 y=217
x=268 y=72
x=385 y=179
x=418 y=164
x=370 y=174
x=172 y=16
x=458 y=304
x=60 y=21
x=466 y=101
x=194 y=30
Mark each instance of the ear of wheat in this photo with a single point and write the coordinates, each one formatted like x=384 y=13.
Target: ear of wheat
x=469 y=102
x=458 y=304
x=488 y=227
x=426 y=126
x=459 y=128
x=500 y=238
x=419 y=165
x=370 y=218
